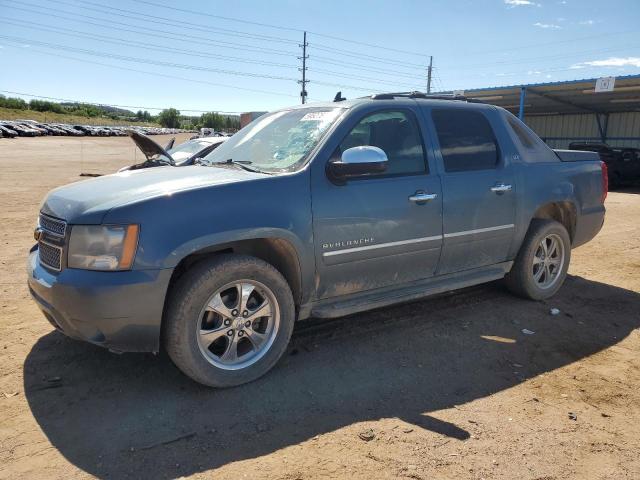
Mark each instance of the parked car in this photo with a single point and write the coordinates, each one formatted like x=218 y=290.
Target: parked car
x=318 y=210
x=623 y=163
x=179 y=156
x=8 y=132
x=69 y=130
x=23 y=130
x=32 y=124
x=86 y=129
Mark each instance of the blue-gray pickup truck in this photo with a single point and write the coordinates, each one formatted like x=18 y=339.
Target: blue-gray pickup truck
x=317 y=210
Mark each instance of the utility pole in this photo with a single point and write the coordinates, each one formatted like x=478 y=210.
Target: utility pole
x=429 y=74
x=304 y=81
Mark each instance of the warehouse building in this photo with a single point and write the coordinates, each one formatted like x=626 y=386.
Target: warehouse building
x=605 y=110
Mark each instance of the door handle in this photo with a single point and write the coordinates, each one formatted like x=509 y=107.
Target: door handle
x=500 y=188
x=422 y=197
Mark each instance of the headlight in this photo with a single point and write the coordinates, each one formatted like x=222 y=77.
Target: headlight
x=102 y=247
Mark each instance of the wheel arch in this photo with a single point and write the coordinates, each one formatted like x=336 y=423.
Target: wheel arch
x=276 y=251
x=563 y=212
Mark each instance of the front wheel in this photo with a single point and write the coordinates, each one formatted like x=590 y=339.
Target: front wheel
x=542 y=262
x=229 y=320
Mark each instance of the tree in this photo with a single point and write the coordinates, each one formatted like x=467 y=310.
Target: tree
x=211 y=120
x=10 y=102
x=169 y=118
x=143 y=116
x=45 y=106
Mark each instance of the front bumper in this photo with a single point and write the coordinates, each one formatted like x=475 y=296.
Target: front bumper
x=121 y=311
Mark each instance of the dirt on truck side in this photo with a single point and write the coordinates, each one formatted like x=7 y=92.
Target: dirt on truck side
x=476 y=384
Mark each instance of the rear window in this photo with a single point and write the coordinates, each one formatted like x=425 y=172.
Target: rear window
x=466 y=139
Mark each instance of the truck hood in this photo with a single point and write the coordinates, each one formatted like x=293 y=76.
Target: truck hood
x=147 y=146
x=88 y=201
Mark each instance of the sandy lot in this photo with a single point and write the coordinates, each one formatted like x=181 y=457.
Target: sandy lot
x=447 y=388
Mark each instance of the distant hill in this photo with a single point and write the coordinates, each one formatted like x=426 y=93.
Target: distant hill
x=121 y=112
x=73 y=119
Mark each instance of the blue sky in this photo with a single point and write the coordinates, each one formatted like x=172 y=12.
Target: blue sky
x=242 y=55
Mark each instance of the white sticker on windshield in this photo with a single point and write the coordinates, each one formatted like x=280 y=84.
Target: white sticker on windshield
x=318 y=116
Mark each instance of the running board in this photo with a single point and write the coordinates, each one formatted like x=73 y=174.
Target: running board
x=332 y=308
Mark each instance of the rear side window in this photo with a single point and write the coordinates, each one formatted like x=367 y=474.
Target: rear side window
x=466 y=140
x=397 y=134
x=523 y=135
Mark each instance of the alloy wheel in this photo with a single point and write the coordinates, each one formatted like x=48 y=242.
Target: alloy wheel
x=238 y=324
x=548 y=261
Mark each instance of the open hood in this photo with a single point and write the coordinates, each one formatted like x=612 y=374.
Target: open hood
x=148 y=147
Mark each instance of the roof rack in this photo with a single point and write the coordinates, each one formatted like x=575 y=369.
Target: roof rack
x=429 y=96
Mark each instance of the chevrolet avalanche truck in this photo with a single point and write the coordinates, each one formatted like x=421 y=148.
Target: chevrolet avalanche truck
x=318 y=210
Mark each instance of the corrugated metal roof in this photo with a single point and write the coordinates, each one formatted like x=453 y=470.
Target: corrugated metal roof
x=575 y=96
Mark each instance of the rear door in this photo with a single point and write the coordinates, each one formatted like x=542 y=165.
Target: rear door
x=478 y=187
x=375 y=232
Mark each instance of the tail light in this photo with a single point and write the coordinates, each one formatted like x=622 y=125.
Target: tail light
x=605 y=181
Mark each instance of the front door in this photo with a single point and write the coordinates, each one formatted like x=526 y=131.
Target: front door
x=379 y=230
x=479 y=191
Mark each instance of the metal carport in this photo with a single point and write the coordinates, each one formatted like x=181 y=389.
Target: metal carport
x=563 y=112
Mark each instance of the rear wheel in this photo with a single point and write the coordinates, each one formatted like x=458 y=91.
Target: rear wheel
x=229 y=320
x=542 y=263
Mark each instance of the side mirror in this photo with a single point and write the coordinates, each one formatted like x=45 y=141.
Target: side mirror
x=357 y=162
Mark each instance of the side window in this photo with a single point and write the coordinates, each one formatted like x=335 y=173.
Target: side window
x=397 y=134
x=523 y=135
x=466 y=140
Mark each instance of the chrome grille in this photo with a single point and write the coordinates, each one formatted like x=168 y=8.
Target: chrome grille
x=53 y=225
x=50 y=256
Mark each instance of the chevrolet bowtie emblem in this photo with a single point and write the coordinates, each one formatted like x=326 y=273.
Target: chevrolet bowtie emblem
x=37 y=233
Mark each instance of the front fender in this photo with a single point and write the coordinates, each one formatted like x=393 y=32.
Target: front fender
x=220 y=239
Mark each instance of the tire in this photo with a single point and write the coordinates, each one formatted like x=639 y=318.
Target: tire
x=199 y=341
x=521 y=280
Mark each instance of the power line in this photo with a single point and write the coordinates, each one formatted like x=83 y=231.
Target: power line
x=232 y=19
x=205 y=55
x=172 y=22
x=151 y=46
x=43 y=27
x=359 y=66
x=157 y=74
x=155 y=33
x=146 y=61
x=342 y=85
x=147 y=31
x=382 y=47
x=366 y=79
x=99 y=104
x=174 y=37
x=362 y=56
x=206 y=28
x=249 y=22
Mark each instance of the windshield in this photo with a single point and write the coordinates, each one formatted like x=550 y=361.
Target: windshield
x=279 y=141
x=187 y=149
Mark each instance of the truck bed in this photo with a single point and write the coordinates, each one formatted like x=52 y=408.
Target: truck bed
x=576 y=155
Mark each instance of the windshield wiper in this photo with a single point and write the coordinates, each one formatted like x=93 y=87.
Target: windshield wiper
x=240 y=163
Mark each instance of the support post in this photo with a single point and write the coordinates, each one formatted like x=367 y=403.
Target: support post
x=523 y=94
x=429 y=70
x=603 y=124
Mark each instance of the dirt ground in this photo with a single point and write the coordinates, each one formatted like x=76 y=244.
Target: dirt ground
x=447 y=388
